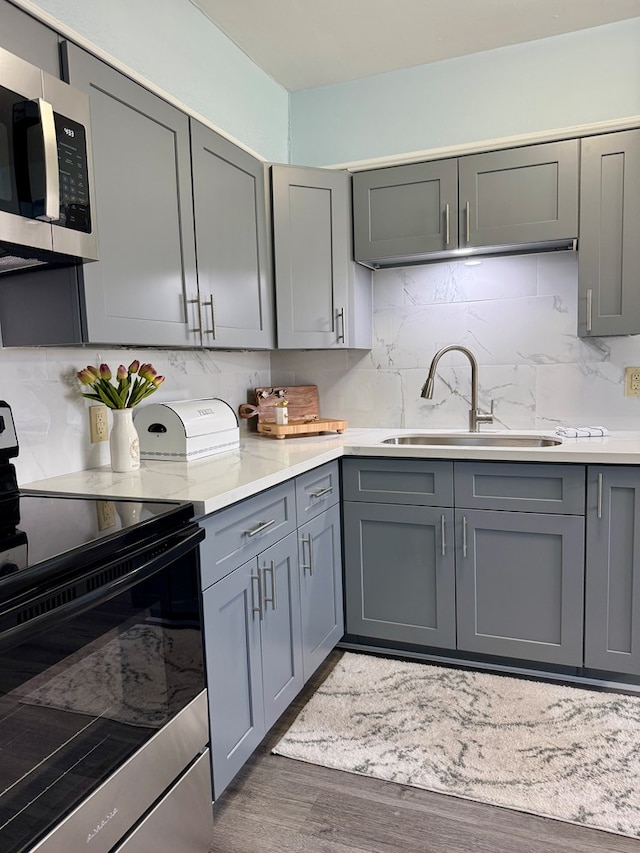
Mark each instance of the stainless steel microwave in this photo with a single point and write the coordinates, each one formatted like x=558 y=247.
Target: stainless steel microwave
x=46 y=183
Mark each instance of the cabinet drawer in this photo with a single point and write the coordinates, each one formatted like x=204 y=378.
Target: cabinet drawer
x=398 y=481
x=529 y=487
x=316 y=491
x=242 y=531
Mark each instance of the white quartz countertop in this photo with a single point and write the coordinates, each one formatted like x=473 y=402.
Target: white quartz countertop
x=261 y=462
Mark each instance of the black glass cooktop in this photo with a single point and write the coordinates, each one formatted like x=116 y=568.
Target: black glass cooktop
x=44 y=529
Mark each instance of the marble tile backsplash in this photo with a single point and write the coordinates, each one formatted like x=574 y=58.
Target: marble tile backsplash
x=51 y=419
x=518 y=315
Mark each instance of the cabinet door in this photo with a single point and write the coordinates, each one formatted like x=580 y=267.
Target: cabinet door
x=234 y=671
x=281 y=631
x=29 y=39
x=612 y=612
x=609 y=256
x=139 y=291
x=319 y=549
x=322 y=302
x=519 y=196
x=520 y=585
x=405 y=211
x=231 y=243
x=400 y=575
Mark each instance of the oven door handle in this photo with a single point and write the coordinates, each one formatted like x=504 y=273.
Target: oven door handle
x=66 y=611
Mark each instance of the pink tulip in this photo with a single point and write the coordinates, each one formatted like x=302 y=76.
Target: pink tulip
x=85 y=377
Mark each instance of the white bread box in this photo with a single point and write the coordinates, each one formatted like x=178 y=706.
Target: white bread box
x=187 y=429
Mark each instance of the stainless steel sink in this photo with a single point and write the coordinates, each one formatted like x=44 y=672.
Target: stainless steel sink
x=474 y=439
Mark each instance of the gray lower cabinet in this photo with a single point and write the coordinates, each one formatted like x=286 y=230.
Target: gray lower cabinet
x=520 y=560
x=612 y=612
x=520 y=581
x=609 y=256
x=323 y=299
x=253 y=654
x=320 y=549
x=234 y=281
x=399 y=550
x=272 y=605
x=501 y=574
x=499 y=200
x=143 y=290
x=400 y=573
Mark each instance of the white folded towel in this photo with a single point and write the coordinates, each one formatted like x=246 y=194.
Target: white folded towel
x=582 y=432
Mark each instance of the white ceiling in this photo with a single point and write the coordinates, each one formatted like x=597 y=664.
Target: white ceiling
x=308 y=43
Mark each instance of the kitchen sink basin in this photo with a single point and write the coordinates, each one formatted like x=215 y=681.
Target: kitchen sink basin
x=474 y=439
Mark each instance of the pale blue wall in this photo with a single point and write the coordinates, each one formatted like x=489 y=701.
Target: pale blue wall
x=172 y=44
x=573 y=79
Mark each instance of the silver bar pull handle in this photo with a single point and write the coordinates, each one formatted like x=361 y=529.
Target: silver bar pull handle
x=589 y=309
x=257 y=609
x=260 y=527
x=599 y=503
x=447 y=224
x=321 y=493
x=464 y=536
x=442 y=535
x=51 y=167
x=271 y=568
x=467 y=214
x=210 y=305
x=307 y=540
x=340 y=335
x=197 y=302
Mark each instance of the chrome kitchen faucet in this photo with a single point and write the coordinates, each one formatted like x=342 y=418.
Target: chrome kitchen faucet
x=475 y=415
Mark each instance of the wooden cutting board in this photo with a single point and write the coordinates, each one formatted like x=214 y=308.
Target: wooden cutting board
x=303 y=408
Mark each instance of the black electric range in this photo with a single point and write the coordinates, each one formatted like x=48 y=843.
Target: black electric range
x=101 y=665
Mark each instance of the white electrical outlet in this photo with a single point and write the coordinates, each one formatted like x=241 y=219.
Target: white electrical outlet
x=632 y=382
x=98 y=423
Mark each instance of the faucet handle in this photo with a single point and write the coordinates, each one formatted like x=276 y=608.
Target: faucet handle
x=485 y=417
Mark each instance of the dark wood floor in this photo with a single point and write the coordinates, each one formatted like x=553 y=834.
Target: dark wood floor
x=277 y=805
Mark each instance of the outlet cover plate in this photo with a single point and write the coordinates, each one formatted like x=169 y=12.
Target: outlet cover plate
x=632 y=382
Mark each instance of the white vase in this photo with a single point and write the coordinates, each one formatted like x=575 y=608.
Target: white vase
x=124 y=442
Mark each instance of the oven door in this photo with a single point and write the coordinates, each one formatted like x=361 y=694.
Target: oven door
x=92 y=671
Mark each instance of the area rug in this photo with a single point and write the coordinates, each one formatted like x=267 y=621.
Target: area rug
x=567 y=753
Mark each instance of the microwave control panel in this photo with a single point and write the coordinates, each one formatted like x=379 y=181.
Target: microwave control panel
x=73 y=169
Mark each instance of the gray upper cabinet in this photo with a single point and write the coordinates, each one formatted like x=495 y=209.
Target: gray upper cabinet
x=612 y=612
x=405 y=211
x=235 y=307
x=143 y=290
x=609 y=256
x=29 y=39
x=323 y=299
x=517 y=198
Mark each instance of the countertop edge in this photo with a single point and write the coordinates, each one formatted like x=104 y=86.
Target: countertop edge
x=217 y=482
